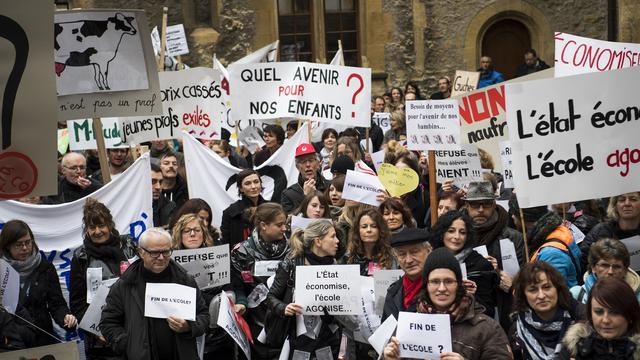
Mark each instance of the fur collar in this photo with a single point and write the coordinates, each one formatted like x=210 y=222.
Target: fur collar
x=581 y=331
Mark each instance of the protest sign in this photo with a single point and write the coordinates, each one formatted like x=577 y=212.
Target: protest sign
x=28 y=101
x=432 y=125
x=119 y=79
x=423 y=336
x=190 y=101
x=369 y=321
x=463 y=166
x=633 y=246
x=482 y=250
x=176 y=40
x=299 y=222
x=483 y=116
x=63 y=141
x=505 y=155
x=377 y=158
x=227 y=321
x=383 y=120
x=383 y=333
x=155 y=40
x=580 y=55
x=382 y=279
x=65 y=350
x=265 y=268
x=334 y=288
x=251 y=139
x=398 y=181
x=210 y=266
x=464 y=82
x=566 y=131
x=509 y=257
x=81 y=136
x=163 y=300
x=362 y=188
x=91 y=320
x=9 y=287
x=319 y=92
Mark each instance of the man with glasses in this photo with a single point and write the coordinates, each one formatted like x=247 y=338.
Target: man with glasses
x=74 y=183
x=123 y=322
x=309 y=180
x=411 y=249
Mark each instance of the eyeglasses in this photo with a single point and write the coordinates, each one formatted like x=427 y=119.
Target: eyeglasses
x=188 y=231
x=156 y=253
x=485 y=204
x=448 y=283
x=20 y=244
x=76 y=168
x=603 y=266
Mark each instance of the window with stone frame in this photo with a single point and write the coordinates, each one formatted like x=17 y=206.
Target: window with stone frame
x=295 y=28
x=341 y=23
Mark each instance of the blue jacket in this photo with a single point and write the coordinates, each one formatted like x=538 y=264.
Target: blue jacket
x=491 y=77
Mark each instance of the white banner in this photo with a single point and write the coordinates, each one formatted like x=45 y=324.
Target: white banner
x=91 y=320
x=176 y=40
x=336 y=94
x=463 y=165
x=580 y=55
x=423 y=336
x=9 y=287
x=210 y=266
x=464 y=82
x=227 y=321
x=334 y=288
x=164 y=300
x=81 y=136
x=433 y=125
x=507 y=163
x=361 y=187
x=575 y=130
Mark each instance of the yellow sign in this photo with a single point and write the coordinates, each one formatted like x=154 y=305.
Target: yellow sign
x=397 y=181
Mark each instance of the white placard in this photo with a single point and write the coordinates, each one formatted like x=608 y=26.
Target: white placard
x=227 y=321
x=91 y=320
x=265 y=268
x=9 y=287
x=209 y=266
x=319 y=92
x=362 y=188
x=336 y=288
x=381 y=336
x=433 y=125
x=633 y=246
x=505 y=156
x=423 y=336
x=579 y=55
x=300 y=222
x=155 y=40
x=463 y=166
x=377 y=158
x=577 y=234
x=464 y=82
x=509 y=257
x=94 y=279
x=176 y=40
x=382 y=279
x=81 y=136
x=251 y=139
x=382 y=120
x=163 y=300
x=482 y=250
x=369 y=321
x=190 y=101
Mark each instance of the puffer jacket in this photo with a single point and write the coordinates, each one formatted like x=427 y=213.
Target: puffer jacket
x=582 y=343
x=581 y=293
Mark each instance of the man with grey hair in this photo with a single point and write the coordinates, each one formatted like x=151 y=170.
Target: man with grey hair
x=309 y=180
x=74 y=183
x=123 y=322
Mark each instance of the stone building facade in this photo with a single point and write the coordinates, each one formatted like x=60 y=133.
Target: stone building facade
x=400 y=40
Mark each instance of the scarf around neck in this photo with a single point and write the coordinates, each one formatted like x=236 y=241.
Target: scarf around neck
x=272 y=249
x=542 y=339
x=319 y=260
x=109 y=250
x=411 y=290
x=491 y=229
x=25 y=268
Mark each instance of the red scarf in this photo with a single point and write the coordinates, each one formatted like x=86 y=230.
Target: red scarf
x=411 y=290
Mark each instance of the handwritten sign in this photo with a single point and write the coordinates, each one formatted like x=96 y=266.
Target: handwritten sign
x=361 y=187
x=334 y=288
x=163 y=300
x=423 y=336
x=81 y=136
x=433 y=125
x=463 y=166
x=265 y=268
x=382 y=279
x=398 y=181
x=91 y=320
x=209 y=266
x=227 y=321
x=507 y=163
x=464 y=81
x=9 y=287
x=329 y=93
x=633 y=246
x=568 y=130
x=176 y=40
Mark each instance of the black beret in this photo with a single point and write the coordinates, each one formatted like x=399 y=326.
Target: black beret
x=408 y=236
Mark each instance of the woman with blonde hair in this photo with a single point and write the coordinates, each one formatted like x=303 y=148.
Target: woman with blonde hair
x=190 y=232
x=398 y=131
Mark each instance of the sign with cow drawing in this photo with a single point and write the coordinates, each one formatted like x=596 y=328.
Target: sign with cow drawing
x=104 y=64
x=28 y=149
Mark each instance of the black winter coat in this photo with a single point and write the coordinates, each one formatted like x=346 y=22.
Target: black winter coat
x=235 y=227
x=608 y=229
x=42 y=299
x=124 y=325
x=68 y=192
x=163 y=209
x=394 y=301
x=292 y=197
x=486 y=278
x=179 y=194
x=582 y=343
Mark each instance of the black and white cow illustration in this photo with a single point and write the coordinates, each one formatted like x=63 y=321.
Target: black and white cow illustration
x=91 y=43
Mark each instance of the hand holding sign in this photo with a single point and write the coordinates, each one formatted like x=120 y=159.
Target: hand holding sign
x=398 y=181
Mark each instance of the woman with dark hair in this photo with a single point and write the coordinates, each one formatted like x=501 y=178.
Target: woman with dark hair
x=201 y=209
x=454 y=231
x=543 y=311
x=613 y=327
x=315 y=205
x=329 y=138
x=449 y=200
x=417 y=200
x=396 y=214
x=474 y=335
x=413 y=87
x=40 y=296
x=235 y=226
x=105 y=252
x=334 y=192
x=369 y=244
x=274 y=138
x=397 y=99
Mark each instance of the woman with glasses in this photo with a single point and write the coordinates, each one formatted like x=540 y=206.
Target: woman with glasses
x=203 y=211
x=607 y=258
x=40 y=294
x=474 y=336
x=104 y=254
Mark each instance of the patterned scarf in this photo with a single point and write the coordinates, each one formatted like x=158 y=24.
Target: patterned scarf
x=542 y=338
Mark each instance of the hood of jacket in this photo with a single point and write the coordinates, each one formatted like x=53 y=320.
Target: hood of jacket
x=580 y=331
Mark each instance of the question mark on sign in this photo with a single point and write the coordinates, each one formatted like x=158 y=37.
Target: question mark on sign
x=441 y=347
x=358 y=90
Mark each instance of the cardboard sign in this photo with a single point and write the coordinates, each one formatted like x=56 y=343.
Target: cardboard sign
x=81 y=136
x=362 y=188
x=581 y=55
x=633 y=246
x=574 y=130
x=464 y=82
x=176 y=40
x=382 y=120
x=509 y=257
x=433 y=125
x=190 y=101
x=507 y=163
x=335 y=94
x=463 y=166
x=398 y=181
x=423 y=336
x=382 y=279
x=334 y=288
x=163 y=300
x=66 y=351
x=9 y=287
x=210 y=266
x=119 y=79
x=91 y=320
x=227 y=321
